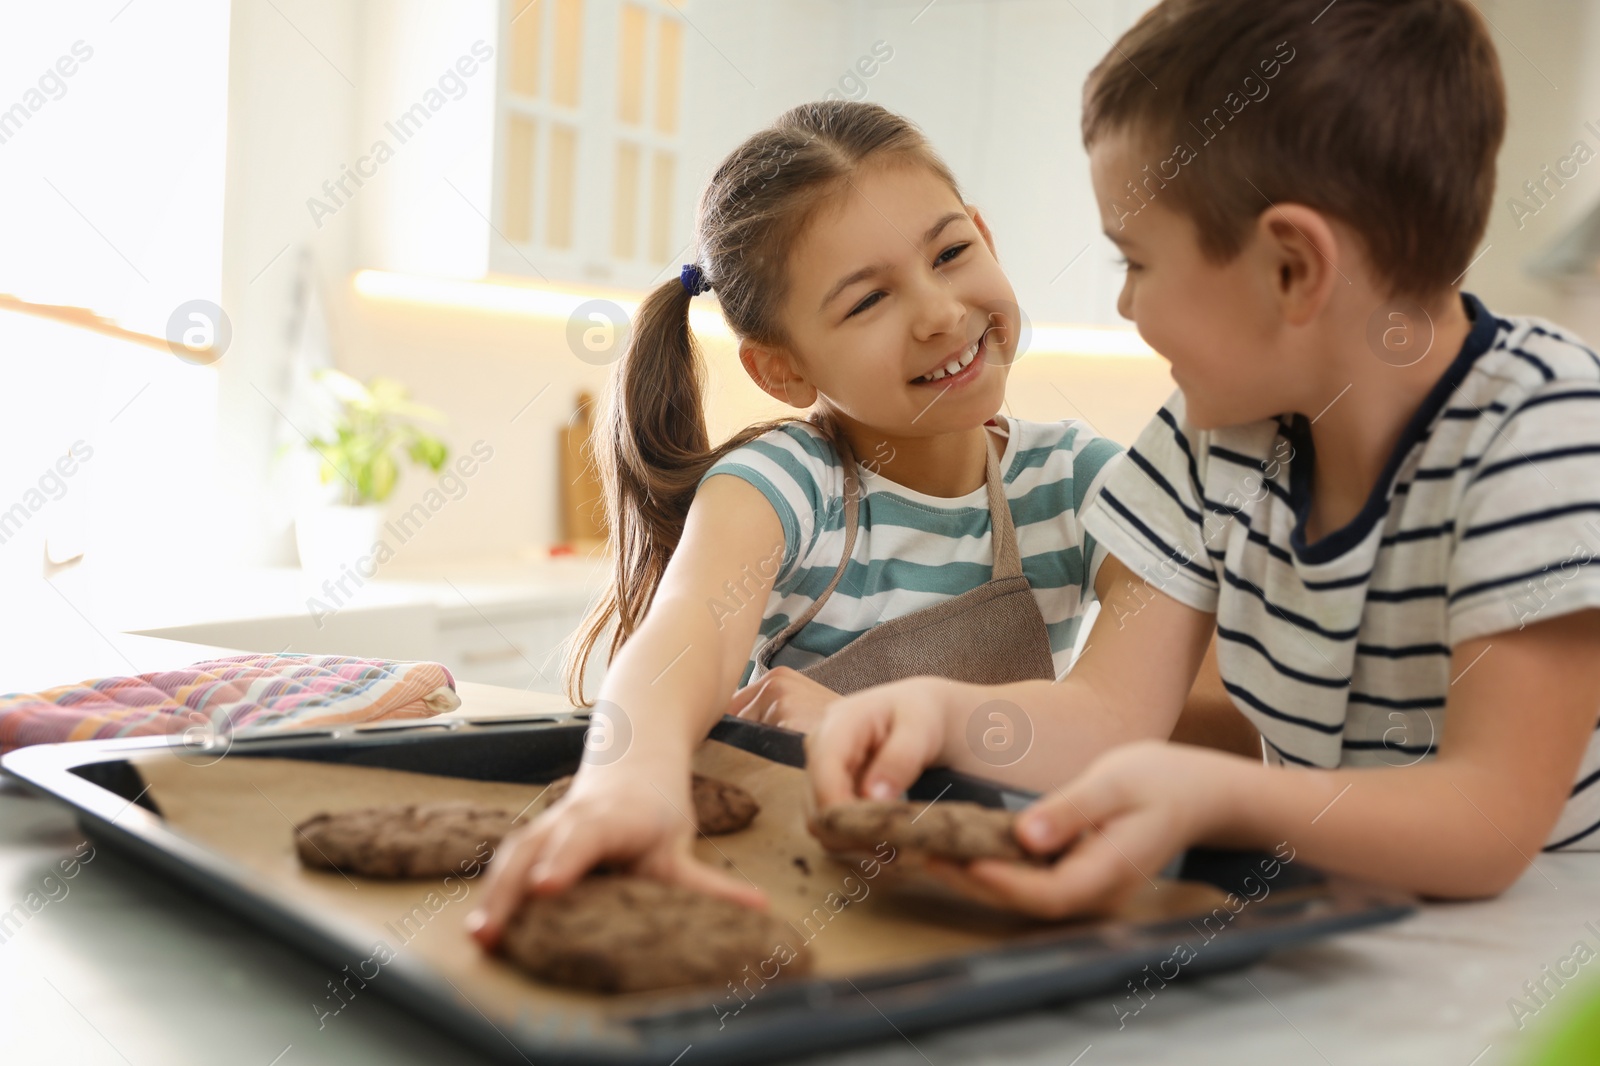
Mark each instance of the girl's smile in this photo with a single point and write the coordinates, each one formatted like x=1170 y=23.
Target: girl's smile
x=960 y=368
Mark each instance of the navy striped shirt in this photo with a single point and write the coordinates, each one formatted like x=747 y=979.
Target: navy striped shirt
x=1486 y=519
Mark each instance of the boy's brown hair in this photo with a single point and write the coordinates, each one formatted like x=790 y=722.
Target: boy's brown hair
x=1385 y=114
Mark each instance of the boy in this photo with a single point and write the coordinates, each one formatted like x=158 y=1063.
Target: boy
x=1382 y=498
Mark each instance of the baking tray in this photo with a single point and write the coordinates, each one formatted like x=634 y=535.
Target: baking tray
x=794 y=1016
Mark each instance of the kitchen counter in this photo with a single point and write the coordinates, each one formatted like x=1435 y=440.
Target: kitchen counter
x=495 y=621
x=123 y=968
x=457 y=590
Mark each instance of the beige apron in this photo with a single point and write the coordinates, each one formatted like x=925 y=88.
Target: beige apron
x=988 y=636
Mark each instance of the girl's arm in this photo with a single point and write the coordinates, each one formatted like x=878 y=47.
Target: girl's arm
x=1467 y=824
x=667 y=686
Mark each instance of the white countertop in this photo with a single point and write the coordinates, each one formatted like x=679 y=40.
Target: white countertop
x=52 y=630
x=135 y=602
x=123 y=969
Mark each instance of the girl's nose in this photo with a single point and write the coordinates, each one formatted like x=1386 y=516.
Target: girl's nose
x=938 y=308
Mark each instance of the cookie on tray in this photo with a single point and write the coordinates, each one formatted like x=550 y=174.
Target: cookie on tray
x=719 y=807
x=948 y=829
x=403 y=841
x=632 y=934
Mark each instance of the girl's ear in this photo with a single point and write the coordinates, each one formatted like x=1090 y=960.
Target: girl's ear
x=983 y=228
x=774 y=370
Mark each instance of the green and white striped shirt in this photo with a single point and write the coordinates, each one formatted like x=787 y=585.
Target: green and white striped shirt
x=913 y=550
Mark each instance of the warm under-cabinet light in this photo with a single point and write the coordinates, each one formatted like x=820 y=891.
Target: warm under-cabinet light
x=554 y=302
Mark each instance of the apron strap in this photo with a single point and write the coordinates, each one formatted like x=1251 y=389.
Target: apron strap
x=852 y=512
x=1002 y=530
x=1003 y=539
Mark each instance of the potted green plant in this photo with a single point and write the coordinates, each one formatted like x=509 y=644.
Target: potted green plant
x=374 y=430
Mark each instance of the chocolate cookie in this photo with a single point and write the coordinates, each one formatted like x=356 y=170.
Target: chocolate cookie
x=949 y=829
x=632 y=934
x=425 y=840
x=719 y=807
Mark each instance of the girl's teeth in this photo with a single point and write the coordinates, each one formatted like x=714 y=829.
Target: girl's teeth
x=955 y=366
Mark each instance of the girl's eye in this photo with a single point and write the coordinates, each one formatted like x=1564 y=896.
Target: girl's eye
x=948 y=255
x=871 y=300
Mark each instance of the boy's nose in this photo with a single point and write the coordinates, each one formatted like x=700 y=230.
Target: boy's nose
x=1125 y=299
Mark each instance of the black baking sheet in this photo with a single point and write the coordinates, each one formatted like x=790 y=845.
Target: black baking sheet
x=792 y=1016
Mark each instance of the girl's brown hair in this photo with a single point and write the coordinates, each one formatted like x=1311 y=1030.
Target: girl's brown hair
x=651 y=444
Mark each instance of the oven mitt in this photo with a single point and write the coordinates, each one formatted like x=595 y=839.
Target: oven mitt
x=219 y=697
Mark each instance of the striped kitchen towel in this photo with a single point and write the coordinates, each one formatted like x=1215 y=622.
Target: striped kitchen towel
x=220 y=697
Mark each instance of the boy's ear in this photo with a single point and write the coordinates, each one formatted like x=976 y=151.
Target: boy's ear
x=775 y=372
x=1303 y=250
x=983 y=228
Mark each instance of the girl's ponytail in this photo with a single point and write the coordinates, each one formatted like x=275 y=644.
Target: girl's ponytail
x=651 y=443
x=651 y=447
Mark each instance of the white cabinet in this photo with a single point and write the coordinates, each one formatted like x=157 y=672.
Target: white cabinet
x=518 y=648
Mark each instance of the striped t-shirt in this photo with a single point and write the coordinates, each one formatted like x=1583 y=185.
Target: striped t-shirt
x=913 y=550
x=1486 y=518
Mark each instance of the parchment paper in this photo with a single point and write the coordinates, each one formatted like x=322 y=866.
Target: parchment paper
x=246 y=809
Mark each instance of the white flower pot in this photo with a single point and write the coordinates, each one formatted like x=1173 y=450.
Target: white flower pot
x=333 y=536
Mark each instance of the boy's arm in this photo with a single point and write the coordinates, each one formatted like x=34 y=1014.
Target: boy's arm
x=1130 y=683
x=1210 y=718
x=1521 y=710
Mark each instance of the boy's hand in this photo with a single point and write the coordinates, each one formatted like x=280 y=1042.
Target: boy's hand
x=876 y=743
x=784 y=698
x=1120 y=822
x=639 y=820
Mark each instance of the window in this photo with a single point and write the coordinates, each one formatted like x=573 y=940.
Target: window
x=112 y=163
x=113 y=138
x=589 y=143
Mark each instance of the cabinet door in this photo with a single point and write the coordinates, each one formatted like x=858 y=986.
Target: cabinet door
x=516 y=649
x=589 y=140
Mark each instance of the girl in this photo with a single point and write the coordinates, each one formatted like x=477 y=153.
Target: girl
x=904 y=528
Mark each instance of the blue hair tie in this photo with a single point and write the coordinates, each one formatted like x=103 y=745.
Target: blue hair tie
x=693 y=279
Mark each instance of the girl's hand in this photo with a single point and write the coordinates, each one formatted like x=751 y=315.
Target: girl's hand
x=640 y=820
x=877 y=742
x=1121 y=822
x=784 y=698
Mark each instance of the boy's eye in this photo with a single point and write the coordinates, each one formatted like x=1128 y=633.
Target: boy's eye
x=871 y=299
x=950 y=253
